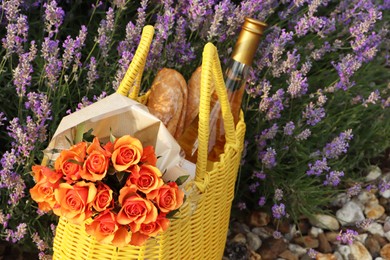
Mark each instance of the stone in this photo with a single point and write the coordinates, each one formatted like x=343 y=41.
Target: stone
x=387 y=235
x=385 y=251
x=325 y=222
x=324 y=245
x=254 y=256
x=344 y=251
x=340 y=200
x=271 y=248
x=288 y=255
x=373 y=246
x=381 y=240
x=297 y=249
x=259 y=219
x=306 y=241
x=314 y=231
x=238 y=227
x=253 y=240
x=366 y=196
x=263 y=232
x=374 y=210
x=361 y=237
x=321 y=256
x=350 y=213
x=386 y=224
x=332 y=237
x=376 y=228
x=359 y=251
x=374 y=173
x=239 y=238
x=304 y=226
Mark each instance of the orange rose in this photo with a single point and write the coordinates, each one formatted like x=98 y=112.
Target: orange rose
x=103 y=227
x=169 y=197
x=42 y=172
x=127 y=152
x=149 y=156
x=43 y=193
x=74 y=202
x=103 y=199
x=97 y=162
x=122 y=237
x=135 y=210
x=70 y=161
x=149 y=230
x=147 y=179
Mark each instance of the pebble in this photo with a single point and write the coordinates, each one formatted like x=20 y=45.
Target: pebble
x=350 y=213
x=259 y=219
x=297 y=249
x=254 y=241
x=374 y=173
x=359 y=251
x=325 y=222
x=373 y=246
x=385 y=251
x=324 y=245
x=376 y=228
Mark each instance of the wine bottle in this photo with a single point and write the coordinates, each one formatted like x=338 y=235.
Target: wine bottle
x=235 y=78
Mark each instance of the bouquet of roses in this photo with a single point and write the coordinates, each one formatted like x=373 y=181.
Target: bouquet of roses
x=114 y=189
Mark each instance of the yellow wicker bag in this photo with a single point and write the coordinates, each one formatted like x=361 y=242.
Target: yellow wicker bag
x=200 y=227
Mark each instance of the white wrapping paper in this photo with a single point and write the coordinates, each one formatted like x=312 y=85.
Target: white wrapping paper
x=119 y=115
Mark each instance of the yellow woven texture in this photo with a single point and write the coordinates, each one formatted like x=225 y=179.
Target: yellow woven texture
x=199 y=229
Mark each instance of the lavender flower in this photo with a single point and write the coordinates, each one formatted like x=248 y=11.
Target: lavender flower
x=338 y=146
x=277 y=234
x=92 y=74
x=15 y=236
x=4 y=219
x=41 y=245
x=11 y=9
x=312 y=253
x=105 y=32
x=16 y=35
x=54 y=17
x=22 y=72
x=354 y=190
x=333 y=178
x=273 y=105
x=2 y=118
x=289 y=128
x=347 y=237
x=297 y=84
x=312 y=114
x=260 y=175
x=241 y=205
x=278 y=196
x=303 y=135
x=383 y=185
x=261 y=201
x=364 y=224
x=220 y=11
x=253 y=187
x=269 y=133
x=372 y=98
x=318 y=167
x=268 y=158
x=53 y=66
x=278 y=211
x=345 y=69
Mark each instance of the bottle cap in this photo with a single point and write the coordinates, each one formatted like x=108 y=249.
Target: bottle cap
x=248 y=41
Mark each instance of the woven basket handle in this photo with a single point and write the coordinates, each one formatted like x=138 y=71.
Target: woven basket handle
x=211 y=71
x=132 y=79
